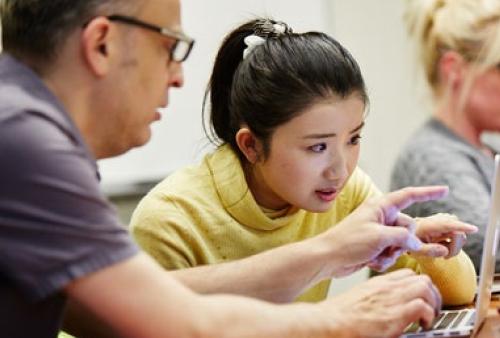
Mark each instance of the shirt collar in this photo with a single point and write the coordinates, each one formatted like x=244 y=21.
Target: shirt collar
x=39 y=99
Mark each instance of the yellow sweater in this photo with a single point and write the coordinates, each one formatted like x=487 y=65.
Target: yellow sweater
x=206 y=214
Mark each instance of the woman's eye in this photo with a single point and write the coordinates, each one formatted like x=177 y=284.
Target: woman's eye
x=318 y=148
x=355 y=140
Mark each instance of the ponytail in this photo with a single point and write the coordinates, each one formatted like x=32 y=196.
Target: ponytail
x=229 y=56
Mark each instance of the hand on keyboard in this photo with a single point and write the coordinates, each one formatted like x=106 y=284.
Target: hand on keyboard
x=385 y=305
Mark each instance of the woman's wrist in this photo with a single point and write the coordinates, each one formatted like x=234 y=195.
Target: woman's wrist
x=331 y=256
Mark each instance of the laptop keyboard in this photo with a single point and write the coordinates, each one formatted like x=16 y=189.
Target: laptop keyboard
x=446 y=320
x=449 y=320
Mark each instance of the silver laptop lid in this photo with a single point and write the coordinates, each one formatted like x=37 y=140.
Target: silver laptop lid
x=489 y=251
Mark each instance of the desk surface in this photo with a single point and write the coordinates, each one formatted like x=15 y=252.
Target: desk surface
x=491 y=327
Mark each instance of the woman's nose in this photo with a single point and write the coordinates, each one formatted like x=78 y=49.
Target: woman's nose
x=337 y=169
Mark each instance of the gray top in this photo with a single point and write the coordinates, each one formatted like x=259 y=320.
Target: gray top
x=435 y=155
x=55 y=224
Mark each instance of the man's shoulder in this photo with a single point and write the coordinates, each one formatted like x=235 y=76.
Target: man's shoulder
x=33 y=147
x=22 y=91
x=26 y=132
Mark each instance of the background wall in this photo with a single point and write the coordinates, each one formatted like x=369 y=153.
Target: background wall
x=372 y=30
x=178 y=139
x=377 y=37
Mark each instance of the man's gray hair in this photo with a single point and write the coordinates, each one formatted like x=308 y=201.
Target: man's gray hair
x=35 y=30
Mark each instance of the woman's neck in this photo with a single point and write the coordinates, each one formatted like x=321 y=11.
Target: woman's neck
x=262 y=193
x=457 y=121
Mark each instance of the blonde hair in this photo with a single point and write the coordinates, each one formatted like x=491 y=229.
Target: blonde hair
x=468 y=27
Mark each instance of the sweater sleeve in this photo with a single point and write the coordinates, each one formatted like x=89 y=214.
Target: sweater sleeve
x=455 y=277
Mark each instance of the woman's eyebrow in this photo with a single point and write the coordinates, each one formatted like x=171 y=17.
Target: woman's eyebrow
x=326 y=135
x=358 y=128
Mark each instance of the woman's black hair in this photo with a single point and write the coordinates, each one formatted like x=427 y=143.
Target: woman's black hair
x=276 y=81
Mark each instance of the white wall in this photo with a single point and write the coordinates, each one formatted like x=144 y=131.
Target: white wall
x=178 y=139
x=374 y=32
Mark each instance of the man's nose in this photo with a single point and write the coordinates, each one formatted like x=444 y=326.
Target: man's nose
x=176 y=78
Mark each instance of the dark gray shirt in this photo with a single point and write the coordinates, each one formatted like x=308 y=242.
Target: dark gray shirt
x=55 y=224
x=435 y=155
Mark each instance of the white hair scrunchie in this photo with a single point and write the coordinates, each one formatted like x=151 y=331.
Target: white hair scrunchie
x=279 y=28
x=252 y=41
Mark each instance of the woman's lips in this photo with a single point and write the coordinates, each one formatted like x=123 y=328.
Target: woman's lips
x=326 y=195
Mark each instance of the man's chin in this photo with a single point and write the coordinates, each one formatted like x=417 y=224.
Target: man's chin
x=143 y=139
x=123 y=148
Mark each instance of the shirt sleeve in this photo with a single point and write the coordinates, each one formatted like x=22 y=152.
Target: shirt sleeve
x=55 y=224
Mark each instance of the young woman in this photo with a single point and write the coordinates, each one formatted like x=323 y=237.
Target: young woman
x=459 y=45
x=287 y=111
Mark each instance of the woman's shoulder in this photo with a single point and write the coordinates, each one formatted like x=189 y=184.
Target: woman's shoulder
x=185 y=192
x=433 y=142
x=435 y=154
x=196 y=184
x=186 y=180
x=193 y=182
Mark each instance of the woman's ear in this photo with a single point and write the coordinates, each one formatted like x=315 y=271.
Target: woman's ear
x=249 y=145
x=452 y=69
x=95 y=42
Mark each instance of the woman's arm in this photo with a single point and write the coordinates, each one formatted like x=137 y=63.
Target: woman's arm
x=281 y=274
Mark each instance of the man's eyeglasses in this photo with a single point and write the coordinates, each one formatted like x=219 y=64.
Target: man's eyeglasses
x=182 y=46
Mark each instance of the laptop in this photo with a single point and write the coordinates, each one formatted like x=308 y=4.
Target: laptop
x=468 y=322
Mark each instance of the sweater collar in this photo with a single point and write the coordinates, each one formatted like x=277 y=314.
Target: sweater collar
x=235 y=195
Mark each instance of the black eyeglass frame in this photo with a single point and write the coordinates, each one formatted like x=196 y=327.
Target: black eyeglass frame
x=161 y=30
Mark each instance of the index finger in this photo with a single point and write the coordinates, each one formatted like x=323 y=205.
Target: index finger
x=394 y=202
x=457 y=226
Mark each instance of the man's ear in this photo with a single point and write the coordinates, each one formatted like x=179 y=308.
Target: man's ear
x=96 y=43
x=452 y=69
x=249 y=145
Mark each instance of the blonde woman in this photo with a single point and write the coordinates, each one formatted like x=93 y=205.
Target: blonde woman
x=459 y=44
